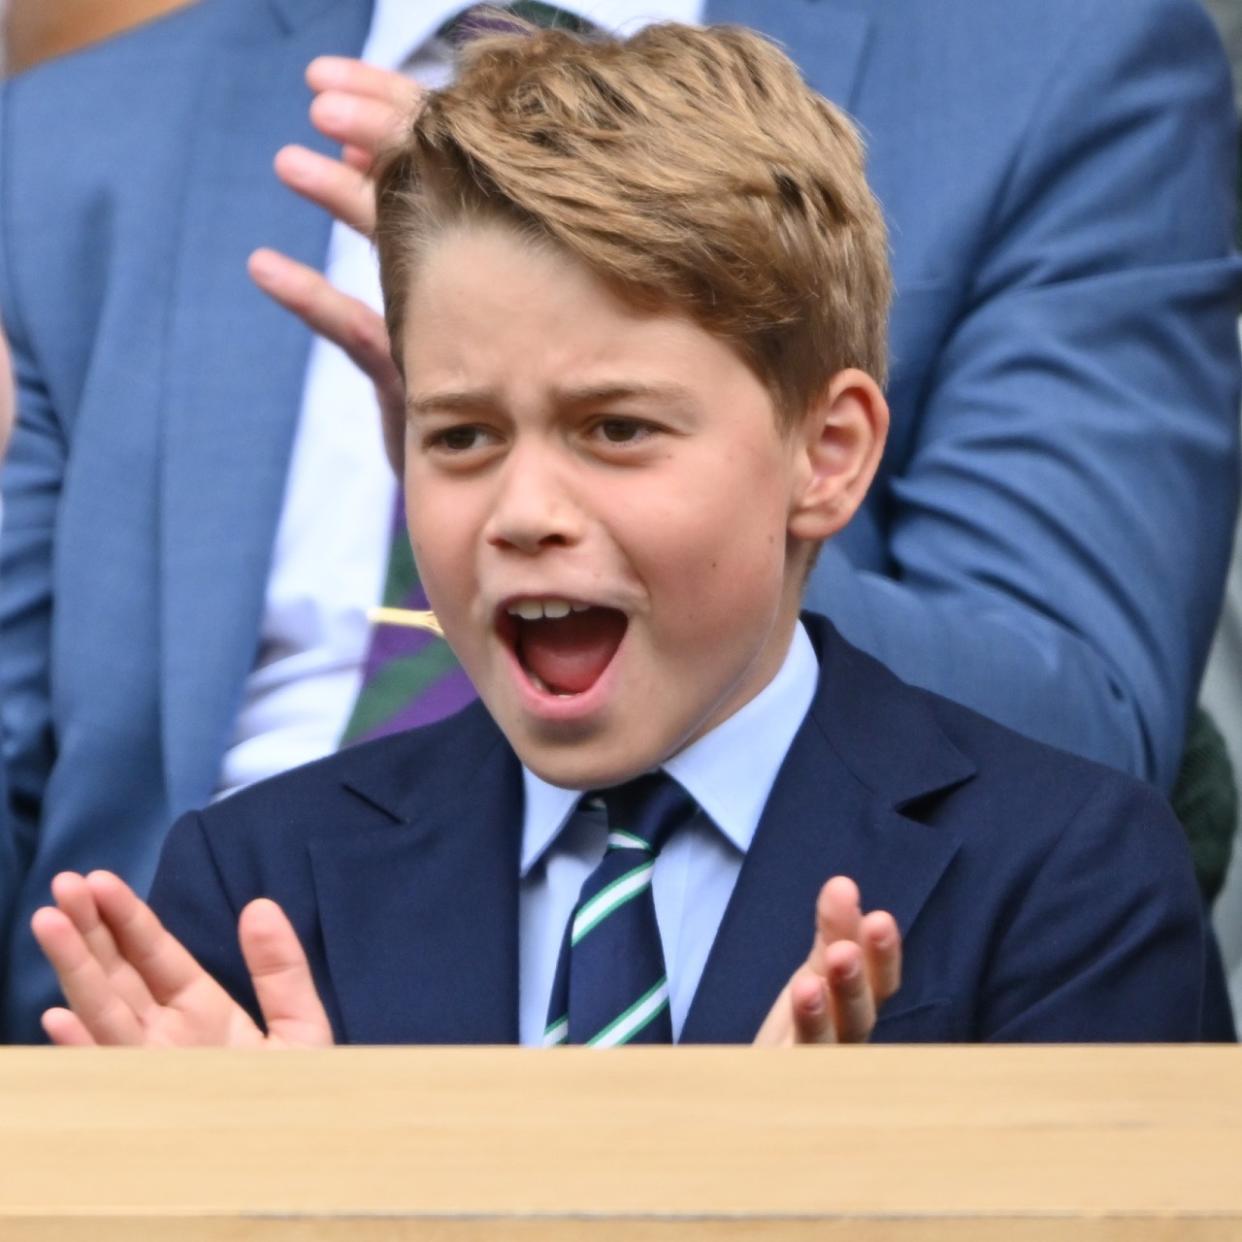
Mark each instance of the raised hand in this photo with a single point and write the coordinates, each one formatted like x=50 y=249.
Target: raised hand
x=128 y=981
x=365 y=109
x=854 y=966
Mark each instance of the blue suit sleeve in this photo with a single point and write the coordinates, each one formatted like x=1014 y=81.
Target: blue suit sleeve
x=1058 y=538
x=31 y=486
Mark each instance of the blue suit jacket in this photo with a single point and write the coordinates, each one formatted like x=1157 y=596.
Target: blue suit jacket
x=1049 y=533
x=1041 y=897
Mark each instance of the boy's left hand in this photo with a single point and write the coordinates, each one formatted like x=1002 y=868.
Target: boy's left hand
x=854 y=966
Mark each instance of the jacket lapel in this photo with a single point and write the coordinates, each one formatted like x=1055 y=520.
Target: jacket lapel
x=420 y=918
x=869 y=750
x=236 y=363
x=824 y=37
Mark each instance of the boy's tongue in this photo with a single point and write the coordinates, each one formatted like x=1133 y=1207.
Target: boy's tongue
x=568 y=654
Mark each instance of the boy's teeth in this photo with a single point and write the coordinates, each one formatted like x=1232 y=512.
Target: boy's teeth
x=539 y=684
x=536 y=610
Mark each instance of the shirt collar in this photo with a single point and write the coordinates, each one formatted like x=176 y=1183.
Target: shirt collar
x=729 y=772
x=400 y=29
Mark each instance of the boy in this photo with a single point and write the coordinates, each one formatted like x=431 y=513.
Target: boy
x=637 y=289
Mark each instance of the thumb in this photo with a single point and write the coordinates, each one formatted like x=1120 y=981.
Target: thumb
x=282 y=980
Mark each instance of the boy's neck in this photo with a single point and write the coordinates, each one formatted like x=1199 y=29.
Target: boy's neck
x=730 y=770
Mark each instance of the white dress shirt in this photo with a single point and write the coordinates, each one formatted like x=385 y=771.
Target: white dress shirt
x=730 y=773
x=332 y=541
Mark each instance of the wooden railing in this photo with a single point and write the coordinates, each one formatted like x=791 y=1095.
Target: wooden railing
x=1023 y=1144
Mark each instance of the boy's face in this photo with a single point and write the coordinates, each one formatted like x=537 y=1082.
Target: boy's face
x=600 y=505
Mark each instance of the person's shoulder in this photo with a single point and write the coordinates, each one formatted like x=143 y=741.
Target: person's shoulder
x=193 y=30
x=949 y=19
x=372 y=782
x=98 y=103
x=1014 y=780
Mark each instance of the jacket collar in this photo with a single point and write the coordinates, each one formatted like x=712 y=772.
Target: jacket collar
x=845 y=803
x=420 y=918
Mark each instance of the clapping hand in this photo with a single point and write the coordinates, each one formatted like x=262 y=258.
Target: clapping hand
x=129 y=981
x=854 y=966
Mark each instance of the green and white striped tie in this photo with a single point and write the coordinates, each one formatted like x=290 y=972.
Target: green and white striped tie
x=611 y=986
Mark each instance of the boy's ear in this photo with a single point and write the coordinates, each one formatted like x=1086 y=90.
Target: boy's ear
x=839 y=445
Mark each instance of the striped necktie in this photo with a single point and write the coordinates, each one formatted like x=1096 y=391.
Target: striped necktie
x=611 y=987
x=410 y=677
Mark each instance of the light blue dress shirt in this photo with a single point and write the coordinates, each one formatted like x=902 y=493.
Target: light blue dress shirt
x=730 y=773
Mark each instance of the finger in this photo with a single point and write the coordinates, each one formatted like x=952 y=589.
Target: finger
x=371 y=124
x=838 y=916
x=101 y=1011
x=345 y=321
x=881 y=945
x=357 y=159
x=160 y=960
x=65 y=1029
x=345 y=193
x=851 y=1001
x=282 y=978
x=810 y=1008
x=345 y=73
x=74 y=897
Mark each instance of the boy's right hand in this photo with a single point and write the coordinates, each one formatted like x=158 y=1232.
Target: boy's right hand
x=129 y=981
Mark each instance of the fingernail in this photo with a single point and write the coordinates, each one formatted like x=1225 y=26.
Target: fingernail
x=260 y=263
x=295 y=162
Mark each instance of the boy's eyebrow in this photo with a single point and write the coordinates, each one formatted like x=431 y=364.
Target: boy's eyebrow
x=451 y=400
x=585 y=394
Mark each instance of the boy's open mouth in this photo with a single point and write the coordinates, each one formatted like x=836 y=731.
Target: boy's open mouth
x=563 y=646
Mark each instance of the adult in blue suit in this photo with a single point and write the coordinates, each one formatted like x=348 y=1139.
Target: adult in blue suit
x=1048 y=536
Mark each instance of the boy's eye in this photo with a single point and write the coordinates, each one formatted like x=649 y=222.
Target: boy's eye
x=459 y=439
x=623 y=430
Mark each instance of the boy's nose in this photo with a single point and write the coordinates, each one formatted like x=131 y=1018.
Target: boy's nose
x=532 y=508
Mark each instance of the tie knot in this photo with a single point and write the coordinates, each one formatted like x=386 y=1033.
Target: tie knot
x=643 y=812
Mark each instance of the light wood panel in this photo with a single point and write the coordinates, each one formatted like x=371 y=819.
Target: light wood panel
x=36 y=30
x=445 y=1144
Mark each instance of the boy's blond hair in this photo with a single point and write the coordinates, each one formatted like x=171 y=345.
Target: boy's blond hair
x=689 y=168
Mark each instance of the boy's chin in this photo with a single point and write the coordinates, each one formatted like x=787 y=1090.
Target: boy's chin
x=586 y=764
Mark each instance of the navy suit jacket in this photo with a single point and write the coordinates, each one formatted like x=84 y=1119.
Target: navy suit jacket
x=1049 y=533
x=1041 y=897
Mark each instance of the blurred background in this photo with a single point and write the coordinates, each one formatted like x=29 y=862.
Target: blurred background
x=33 y=30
